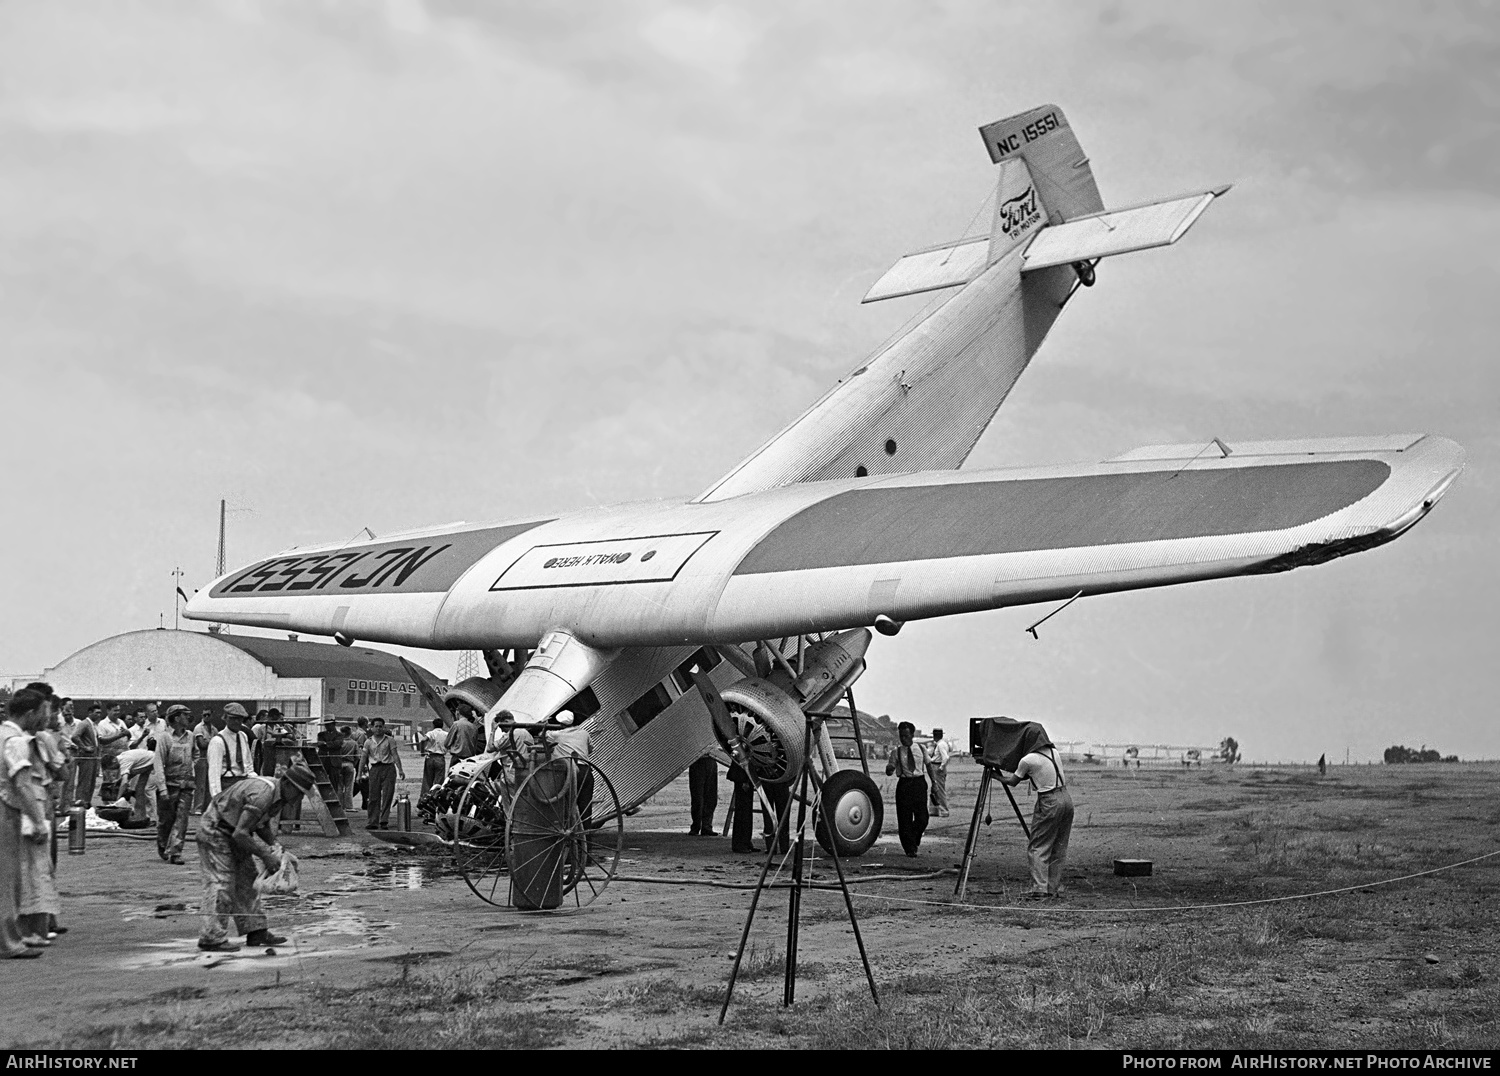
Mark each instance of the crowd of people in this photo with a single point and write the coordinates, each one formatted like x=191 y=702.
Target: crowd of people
x=362 y=758
x=152 y=765
x=155 y=765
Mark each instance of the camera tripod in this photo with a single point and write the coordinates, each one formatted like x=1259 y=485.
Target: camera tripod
x=805 y=783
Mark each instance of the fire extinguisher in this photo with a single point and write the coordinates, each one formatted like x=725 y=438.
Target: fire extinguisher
x=403 y=813
x=77 y=828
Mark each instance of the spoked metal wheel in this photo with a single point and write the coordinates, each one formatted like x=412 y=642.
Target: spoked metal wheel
x=564 y=835
x=478 y=835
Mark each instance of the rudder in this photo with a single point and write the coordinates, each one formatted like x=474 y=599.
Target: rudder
x=1058 y=167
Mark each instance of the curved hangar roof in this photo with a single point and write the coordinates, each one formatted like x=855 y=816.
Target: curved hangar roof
x=159 y=664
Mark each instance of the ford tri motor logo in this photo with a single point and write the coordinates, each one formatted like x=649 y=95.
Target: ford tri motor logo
x=1019 y=213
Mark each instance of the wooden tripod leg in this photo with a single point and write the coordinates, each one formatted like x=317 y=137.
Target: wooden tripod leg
x=739 y=955
x=963 y=869
x=794 y=905
x=1014 y=806
x=853 y=919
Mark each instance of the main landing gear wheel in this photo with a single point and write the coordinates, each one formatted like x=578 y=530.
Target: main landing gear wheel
x=564 y=835
x=478 y=833
x=850 y=814
x=770 y=725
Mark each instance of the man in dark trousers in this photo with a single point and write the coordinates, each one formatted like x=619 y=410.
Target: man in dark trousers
x=86 y=751
x=176 y=756
x=703 y=790
x=381 y=761
x=431 y=747
x=909 y=764
x=743 y=810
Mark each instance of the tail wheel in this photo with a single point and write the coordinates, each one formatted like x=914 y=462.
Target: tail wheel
x=850 y=814
x=564 y=835
x=477 y=832
x=771 y=726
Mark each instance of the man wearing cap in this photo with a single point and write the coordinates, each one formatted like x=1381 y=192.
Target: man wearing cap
x=229 y=756
x=176 y=757
x=233 y=833
x=937 y=774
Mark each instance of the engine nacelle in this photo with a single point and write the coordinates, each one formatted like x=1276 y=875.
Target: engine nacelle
x=478 y=691
x=770 y=724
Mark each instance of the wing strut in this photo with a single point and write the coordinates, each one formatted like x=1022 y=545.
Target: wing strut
x=1052 y=614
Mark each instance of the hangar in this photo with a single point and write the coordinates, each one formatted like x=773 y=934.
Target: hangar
x=307 y=681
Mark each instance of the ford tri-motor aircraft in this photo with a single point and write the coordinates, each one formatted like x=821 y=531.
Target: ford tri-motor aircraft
x=854 y=516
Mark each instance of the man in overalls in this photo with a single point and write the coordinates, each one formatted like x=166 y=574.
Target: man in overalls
x=235 y=831
x=1052 y=818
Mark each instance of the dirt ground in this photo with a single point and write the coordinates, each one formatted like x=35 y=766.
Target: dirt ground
x=390 y=949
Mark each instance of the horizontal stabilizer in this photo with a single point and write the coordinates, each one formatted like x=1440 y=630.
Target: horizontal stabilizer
x=1116 y=231
x=946 y=266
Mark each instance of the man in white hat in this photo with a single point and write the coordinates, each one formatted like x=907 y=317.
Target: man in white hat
x=229 y=757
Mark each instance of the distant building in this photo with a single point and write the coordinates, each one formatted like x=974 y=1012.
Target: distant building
x=307 y=682
x=1151 y=756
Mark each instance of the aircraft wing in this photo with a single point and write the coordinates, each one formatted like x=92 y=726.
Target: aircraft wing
x=822 y=556
x=927 y=545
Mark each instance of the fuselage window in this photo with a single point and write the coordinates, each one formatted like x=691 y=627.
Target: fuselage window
x=584 y=705
x=645 y=708
x=703 y=659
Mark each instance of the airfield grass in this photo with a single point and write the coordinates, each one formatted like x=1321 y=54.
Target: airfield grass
x=1259 y=979
x=1409 y=965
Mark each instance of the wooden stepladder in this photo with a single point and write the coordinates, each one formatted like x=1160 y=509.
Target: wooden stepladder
x=325 y=800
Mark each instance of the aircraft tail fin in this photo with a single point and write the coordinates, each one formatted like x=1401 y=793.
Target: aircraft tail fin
x=923 y=400
x=1046 y=202
x=1056 y=163
x=1044 y=178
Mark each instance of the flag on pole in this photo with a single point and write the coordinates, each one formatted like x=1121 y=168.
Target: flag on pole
x=181 y=595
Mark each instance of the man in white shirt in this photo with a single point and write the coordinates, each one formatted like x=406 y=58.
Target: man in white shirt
x=229 y=757
x=135 y=773
x=136 y=725
x=431 y=746
x=1052 y=818
x=937 y=773
x=113 y=735
x=909 y=764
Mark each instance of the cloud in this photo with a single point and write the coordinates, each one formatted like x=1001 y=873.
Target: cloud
x=716 y=41
x=354 y=264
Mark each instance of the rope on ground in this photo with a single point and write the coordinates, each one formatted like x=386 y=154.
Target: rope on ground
x=1179 y=907
x=772 y=883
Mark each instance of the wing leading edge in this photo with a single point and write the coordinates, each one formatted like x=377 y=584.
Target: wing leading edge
x=928 y=545
x=817 y=557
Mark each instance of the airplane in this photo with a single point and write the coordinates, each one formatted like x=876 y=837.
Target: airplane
x=760 y=592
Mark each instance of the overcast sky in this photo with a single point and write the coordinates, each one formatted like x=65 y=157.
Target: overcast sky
x=385 y=265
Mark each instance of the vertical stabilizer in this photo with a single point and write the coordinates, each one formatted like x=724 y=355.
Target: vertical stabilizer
x=1042 y=139
x=1018 y=210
